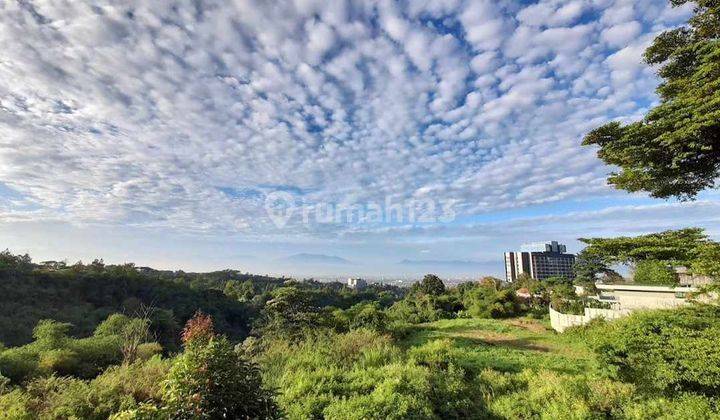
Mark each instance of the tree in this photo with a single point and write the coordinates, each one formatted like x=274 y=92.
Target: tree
x=675 y=150
x=291 y=312
x=707 y=262
x=431 y=285
x=655 y=272
x=212 y=381
x=678 y=247
x=589 y=268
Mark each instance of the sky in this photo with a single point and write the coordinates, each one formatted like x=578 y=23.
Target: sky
x=313 y=138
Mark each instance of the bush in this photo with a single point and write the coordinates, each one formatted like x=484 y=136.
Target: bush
x=18 y=364
x=684 y=406
x=53 y=352
x=418 y=308
x=546 y=394
x=211 y=380
x=489 y=302
x=665 y=351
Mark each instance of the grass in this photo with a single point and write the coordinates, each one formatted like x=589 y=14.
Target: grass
x=508 y=345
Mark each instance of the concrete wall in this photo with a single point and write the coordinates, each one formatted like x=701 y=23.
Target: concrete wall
x=560 y=322
x=629 y=299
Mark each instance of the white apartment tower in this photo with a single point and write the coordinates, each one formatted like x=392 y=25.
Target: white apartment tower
x=539 y=261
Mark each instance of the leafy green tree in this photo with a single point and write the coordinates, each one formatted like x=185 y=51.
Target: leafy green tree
x=242 y=291
x=430 y=285
x=708 y=260
x=291 y=312
x=209 y=380
x=655 y=272
x=675 y=150
x=14 y=264
x=678 y=247
x=590 y=268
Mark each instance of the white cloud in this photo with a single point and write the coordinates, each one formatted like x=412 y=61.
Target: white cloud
x=621 y=34
x=182 y=116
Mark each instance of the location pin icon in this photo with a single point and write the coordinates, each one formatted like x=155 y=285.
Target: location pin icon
x=279 y=207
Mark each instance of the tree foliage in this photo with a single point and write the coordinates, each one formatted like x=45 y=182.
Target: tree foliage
x=672 y=246
x=430 y=285
x=675 y=150
x=209 y=380
x=655 y=273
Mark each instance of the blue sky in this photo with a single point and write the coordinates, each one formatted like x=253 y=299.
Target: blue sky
x=160 y=132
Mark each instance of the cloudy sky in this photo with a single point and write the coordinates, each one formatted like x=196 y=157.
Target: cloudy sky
x=211 y=134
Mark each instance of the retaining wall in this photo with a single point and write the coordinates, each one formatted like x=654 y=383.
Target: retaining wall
x=560 y=321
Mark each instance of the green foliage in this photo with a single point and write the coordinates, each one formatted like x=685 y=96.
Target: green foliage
x=550 y=395
x=430 y=285
x=211 y=381
x=683 y=406
x=363 y=315
x=14 y=265
x=672 y=246
x=54 y=352
x=242 y=291
x=84 y=295
x=292 y=312
x=590 y=268
x=665 y=351
x=419 y=307
x=655 y=273
x=708 y=260
x=361 y=374
x=118 y=388
x=486 y=301
x=675 y=150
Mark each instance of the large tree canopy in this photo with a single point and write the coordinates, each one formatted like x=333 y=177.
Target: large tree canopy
x=675 y=150
x=673 y=246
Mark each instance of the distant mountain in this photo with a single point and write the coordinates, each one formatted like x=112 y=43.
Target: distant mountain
x=317 y=259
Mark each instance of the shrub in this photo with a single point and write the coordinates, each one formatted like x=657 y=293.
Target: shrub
x=211 y=380
x=666 y=350
x=489 y=302
x=684 y=406
x=61 y=361
x=546 y=394
x=18 y=364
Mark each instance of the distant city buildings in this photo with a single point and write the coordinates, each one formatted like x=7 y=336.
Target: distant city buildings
x=356 y=283
x=540 y=261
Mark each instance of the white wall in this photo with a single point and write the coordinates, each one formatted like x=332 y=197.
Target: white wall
x=560 y=322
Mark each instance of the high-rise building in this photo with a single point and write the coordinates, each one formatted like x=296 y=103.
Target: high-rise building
x=539 y=261
x=357 y=284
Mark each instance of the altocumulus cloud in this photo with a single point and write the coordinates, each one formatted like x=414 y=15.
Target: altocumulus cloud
x=186 y=114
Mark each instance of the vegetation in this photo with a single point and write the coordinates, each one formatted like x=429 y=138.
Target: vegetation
x=83 y=295
x=675 y=150
x=653 y=256
x=665 y=352
x=654 y=272
x=477 y=350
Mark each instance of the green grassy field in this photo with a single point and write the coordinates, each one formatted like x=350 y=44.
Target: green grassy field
x=509 y=345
